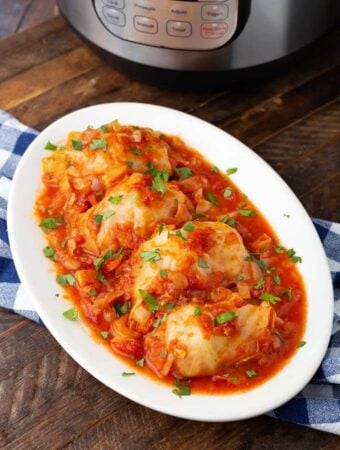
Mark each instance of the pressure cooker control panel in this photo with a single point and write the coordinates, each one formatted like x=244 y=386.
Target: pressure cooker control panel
x=182 y=24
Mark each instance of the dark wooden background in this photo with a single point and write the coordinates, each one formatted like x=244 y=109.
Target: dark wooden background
x=292 y=120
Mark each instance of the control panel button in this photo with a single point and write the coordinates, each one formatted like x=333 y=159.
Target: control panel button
x=115 y=3
x=114 y=16
x=145 y=24
x=178 y=29
x=179 y=11
x=210 y=30
x=145 y=7
x=214 y=12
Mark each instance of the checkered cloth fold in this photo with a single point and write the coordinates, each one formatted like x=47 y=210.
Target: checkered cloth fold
x=317 y=406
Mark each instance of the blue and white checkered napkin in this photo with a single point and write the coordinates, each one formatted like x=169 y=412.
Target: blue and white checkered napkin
x=317 y=406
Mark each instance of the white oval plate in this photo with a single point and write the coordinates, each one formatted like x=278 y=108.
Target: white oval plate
x=254 y=177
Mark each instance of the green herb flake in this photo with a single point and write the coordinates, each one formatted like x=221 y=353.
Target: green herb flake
x=121 y=309
x=277 y=279
x=169 y=306
x=289 y=292
x=215 y=169
x=50 y=223
x=202 y=263
x=183 y=172
x=287 y=216
x=198 y=311
x=262 y=264
x=50 y=146
x=189 y=226
x=180 y=235
x=228 y=192
x=224 y=318
x=77 y=145
x=118 y=253
x=92 y=292
x=151 y=256
x=104 y=334
x=157 y=323
x=160 y=228
x=98 y=219
x=181 y=389
x=163 y=273
x=302 y=344
x=212 y=198
x=63 y=243
x=100 y=261
x=115 y=200
x=71 y=314
x=239 y=278
x=251 y=373
x=104 y=128
x=140 y=362
x=259 y=284
x=101 y=277
x=247 y=212
x=66 y=280
x=279 y=249
x=49 y=251
x=127 y=374
x=107 y=215
x=129 y=164
x=272 y=299
x=291 y=253
x=136 y=151
x=97 y=144
x=231 y=170
x=158 y=185
x=150 y=300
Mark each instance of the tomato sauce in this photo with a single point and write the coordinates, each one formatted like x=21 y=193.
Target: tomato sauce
x=103 y=297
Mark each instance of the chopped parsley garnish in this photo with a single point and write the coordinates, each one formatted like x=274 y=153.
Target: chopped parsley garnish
x=231 y=170
x=228 y=192
x=212 y=198
x=121 y=309
x=136 y=151
x=189 y=226
x=49 y=251
x=77 y=145
x=259 y=284
x=129 y=164
x=169 y=305
x=158 y=185
x=291 y=253
x=180 y=235
x=157 y=323
x=71 y=314
x=302 y=343
x=98 y=144
x=115 y=200
x=104 y=334
x=50 y=146
x=251 y=373
x=101 y=277
x=286 y=215
x=151 y=256
x=181 y=389
x=163 y=273
x=160 y=228
x=100 y=261
x=92 y=292
x=104 y=128
x=279 y=249
x=272 y=299
x=224 y=318
x=239 y=277
x=183 y=172
x=228 y=221
x=98 y=218
x=198 y=311
x=107 y=215
x=66 y=280
x=127 y=374
x=247 y=212
x=259 y=262
x=202 y=263
x=150 y=300
x=277 y=279
x=118 y=253
x=50 y=223
x=215 y=169
x=289 y=292
x=140 y=362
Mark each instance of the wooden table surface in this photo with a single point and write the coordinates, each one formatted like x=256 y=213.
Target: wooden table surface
x=292 y=120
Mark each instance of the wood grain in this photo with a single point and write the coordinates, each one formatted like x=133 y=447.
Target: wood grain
x=292 y=120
